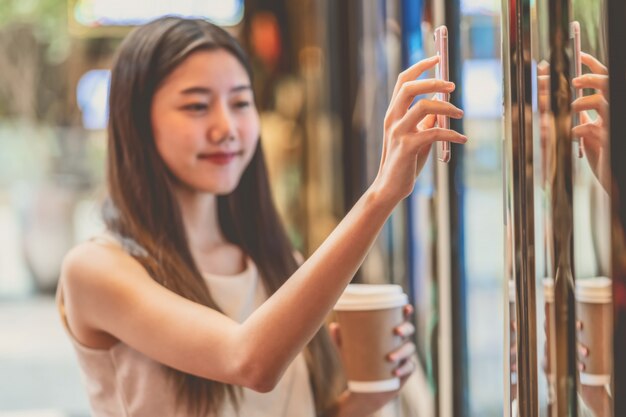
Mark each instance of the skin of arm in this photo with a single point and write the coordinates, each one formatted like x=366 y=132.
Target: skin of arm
x=115 y=295
x=108 y=293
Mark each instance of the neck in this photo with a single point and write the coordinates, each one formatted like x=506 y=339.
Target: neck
x=199 y=213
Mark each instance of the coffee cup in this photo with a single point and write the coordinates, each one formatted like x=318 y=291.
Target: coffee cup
x=595 y=312
x=367 y=315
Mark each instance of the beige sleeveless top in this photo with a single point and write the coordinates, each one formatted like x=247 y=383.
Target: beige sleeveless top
x=122 y=382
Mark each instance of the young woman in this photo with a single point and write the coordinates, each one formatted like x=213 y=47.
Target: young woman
x=192 y=303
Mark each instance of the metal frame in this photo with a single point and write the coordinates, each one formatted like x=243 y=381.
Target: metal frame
x=617 y=86
x=517 y=32
x=453 y=363
x=565 y=403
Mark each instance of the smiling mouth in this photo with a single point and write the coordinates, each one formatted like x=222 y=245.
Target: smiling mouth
x=220 y=158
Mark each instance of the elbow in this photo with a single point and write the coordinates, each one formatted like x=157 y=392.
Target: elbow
x=258 y=375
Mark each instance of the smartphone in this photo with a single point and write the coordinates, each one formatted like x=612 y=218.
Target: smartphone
x=574 y=33
x=441 y=46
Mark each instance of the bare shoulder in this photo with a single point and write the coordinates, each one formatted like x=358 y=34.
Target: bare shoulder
x=92 y=261
x=96 y=280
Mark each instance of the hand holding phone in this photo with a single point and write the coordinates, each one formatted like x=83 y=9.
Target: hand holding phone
x=574 y=28
x=441 y=46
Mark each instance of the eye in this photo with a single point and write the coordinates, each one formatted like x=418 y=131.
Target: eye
x=196 y=107
x=240 y=104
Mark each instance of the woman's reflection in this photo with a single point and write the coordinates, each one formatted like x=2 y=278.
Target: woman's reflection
x=593 y=295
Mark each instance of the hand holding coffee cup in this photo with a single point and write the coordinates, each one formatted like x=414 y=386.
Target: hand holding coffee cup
x=594 y=327
x=372 y=334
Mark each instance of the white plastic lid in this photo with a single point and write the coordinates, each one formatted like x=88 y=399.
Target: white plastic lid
x=374 y=386
x=548 y=290
x=594 y=380
x=371 y=297
x=594 y=290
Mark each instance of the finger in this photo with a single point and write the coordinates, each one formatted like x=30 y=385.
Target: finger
x=596 y=81
x=405 y=369
x=583 y=351
x=595 y=102
x=403 y=352
x=406 y=329
x=427 y=122
x=579 y=324
x=413 y=72
x=333 y=329
x=430 y=136
x=408 y=310
x=585 y=118
x=593 y=64
x=591 y=132
x=425 y=107
x=410 y=89
x=419 y=143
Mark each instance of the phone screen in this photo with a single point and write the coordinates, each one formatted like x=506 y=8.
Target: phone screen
x=441 y=46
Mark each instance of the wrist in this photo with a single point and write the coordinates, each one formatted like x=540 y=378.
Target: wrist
x=379 y=199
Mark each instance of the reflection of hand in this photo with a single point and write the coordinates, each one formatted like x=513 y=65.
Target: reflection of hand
x=595 y=397
x=351 y=403
x=583 y=351
x=513 y=346
x=409 y=130
x=594 y=133
x=545 y=360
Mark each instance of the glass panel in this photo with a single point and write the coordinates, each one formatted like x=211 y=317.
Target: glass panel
x=543 y=137
x=572 y=209
x=591 y=165
x=482 y=193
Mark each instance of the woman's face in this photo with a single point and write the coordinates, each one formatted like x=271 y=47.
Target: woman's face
x=205 y=123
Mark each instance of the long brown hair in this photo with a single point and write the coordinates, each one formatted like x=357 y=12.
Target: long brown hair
x=142 y=211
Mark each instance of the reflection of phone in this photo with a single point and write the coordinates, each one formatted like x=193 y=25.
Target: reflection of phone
x=574 y=29
x=441 y=45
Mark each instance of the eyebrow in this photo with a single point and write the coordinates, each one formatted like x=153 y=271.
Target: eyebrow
x=207 y=91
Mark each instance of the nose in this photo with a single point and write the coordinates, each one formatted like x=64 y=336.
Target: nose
x=221 y=124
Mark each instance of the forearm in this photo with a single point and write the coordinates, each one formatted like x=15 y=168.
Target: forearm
x=282 y=326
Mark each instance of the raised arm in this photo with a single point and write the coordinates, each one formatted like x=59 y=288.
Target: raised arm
x=111 y=293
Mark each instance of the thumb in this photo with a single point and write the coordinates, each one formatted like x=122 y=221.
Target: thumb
x=335 y=335
x=584 y=117
x=427 y=122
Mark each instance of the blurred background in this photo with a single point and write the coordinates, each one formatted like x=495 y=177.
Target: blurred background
x=324 y=71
